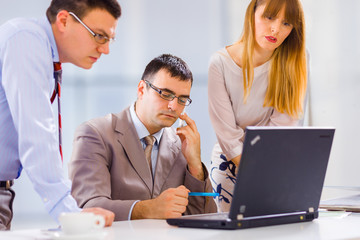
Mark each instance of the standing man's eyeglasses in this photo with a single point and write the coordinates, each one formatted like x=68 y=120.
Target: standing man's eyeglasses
x=99 y=38
x=164 y=94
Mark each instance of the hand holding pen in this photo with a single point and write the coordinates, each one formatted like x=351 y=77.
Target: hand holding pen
x=171 y=203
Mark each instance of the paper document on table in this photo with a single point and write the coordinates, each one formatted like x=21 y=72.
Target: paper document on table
x=350 y=203
x=351 y=188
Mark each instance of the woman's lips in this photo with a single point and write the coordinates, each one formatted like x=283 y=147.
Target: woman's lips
x=271 y=39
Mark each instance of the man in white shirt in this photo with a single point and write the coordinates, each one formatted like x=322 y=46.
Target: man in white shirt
x=74 y=31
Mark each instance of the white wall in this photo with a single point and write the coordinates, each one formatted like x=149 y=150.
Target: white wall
x=333 y=41
x=193 y=30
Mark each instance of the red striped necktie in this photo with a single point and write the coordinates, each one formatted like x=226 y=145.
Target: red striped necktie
x=57 y=91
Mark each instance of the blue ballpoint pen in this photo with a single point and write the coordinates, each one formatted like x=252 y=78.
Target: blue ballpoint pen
x=204 y=194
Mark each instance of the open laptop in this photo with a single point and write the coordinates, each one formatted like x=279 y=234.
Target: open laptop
x=280 y=179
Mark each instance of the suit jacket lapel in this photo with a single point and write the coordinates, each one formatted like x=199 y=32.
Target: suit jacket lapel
x=129 y=140
x=168 y=150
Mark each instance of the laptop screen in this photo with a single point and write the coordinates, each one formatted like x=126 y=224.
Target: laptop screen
x=282 y=170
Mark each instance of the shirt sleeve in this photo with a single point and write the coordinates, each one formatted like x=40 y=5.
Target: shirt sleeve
x=132 y=208
x=222 y=116
x=28 y=82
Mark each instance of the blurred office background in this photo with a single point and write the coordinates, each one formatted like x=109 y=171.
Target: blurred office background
x=193 y=30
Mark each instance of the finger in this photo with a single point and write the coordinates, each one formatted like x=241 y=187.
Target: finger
x=182 y=191
x=189 y=121
x=180 y=203
x=183 y=188
x=109 y=219
x=181 y=121
x=184 y=131
x=188 y=135
x=108 y=216
x=174 y=214
x=180 y=195
x=179 y=208
x=183 y=137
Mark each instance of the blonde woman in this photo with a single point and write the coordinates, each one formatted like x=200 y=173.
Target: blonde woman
x=260 y=80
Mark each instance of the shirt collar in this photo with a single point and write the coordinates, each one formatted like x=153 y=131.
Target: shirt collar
x=141 y=130
x=45 y=24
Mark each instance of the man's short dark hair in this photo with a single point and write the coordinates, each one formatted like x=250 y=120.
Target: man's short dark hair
x=82 y=7
x=172 y=64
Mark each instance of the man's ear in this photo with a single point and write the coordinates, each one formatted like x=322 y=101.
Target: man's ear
x=141 y=89
x=62 y=19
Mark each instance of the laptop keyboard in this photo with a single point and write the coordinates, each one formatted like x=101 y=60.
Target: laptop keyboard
x=211 y=216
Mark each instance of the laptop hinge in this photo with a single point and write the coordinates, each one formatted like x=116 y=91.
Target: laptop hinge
x=240 y=217
x=311 y=210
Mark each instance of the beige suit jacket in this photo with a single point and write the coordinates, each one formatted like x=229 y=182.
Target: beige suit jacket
x=108 y=168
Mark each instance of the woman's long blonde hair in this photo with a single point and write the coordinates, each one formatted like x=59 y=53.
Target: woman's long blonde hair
x=288 y=71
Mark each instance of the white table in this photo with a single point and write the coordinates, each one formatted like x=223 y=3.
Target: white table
x=328 y=226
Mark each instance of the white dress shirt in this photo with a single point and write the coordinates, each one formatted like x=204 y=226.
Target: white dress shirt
x=29 y=137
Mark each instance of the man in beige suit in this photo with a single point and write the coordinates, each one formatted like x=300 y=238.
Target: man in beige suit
x=110 y=169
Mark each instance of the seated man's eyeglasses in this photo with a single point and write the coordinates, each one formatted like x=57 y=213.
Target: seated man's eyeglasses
x=164 y=94
x=99 y=38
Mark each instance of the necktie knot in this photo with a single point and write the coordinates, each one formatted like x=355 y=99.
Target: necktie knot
x=149 y=140
x=57 y=72
x=57 y=66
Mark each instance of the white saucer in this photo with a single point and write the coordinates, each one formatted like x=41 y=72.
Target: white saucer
x=86 y=236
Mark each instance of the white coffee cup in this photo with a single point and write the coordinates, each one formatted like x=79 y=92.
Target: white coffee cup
x=80 y=222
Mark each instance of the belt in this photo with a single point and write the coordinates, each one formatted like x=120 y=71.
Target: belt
x=6 y=184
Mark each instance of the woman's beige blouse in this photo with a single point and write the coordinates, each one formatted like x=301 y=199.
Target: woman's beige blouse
x=228 y=113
